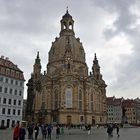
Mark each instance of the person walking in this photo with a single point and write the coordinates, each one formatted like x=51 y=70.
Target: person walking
x=49 y=129
x=57 y=132
x=62 y=130
x=16 y=131
x=22 y=132
x=30 y=131
x=110 y=130
x=44 y=131
x=117 y=130
x=36 y=130
x=89 y=129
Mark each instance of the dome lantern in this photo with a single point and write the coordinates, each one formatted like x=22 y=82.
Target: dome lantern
x=67 y=24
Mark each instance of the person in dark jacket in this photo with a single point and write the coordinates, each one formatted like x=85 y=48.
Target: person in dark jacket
x=57 y=132
x=30 y=131
x=22 y=133
x=36 y=130
x=49 y=129
x=110 y=130
x=117 y=130
x=44 y=131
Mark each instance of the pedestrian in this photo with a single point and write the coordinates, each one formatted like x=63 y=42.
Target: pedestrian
x=110 y=130
x=36 y=130
x=57 y=132
x=117 y=130
x=49 y=129
x=16 y=131
x=22 y=132
x=89 y=129
x=62 y=130
x=44 y=131
x=30 y=131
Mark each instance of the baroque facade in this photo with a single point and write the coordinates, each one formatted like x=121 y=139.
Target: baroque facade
x=66 y=93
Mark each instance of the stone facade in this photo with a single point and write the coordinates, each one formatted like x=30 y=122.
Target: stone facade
x=66 y=93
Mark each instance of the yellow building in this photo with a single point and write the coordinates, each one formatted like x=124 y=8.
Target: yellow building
x=131 y=111
x=66 y=93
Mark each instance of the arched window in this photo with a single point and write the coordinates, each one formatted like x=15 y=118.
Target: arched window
x=56 y=99
x=68 y=98
x=80 y=100
x=65 y=25
x=70 y=25
x=91 y=102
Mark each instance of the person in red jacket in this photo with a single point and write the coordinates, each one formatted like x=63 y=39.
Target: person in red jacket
x=16 y=131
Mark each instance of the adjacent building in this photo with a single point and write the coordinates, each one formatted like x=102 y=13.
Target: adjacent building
x=66 y=92
x=137 y=100
x=132 y=108
x=120 y=110
x=11 y=93
x=114 y=110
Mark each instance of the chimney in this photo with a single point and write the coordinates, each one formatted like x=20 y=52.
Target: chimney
x=2 y=57
x=7 y=58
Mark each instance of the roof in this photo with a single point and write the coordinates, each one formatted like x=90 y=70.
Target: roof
x=114 y=101
x=5 y=63
x=67 y=15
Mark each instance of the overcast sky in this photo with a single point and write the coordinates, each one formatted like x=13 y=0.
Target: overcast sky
x=109 y=28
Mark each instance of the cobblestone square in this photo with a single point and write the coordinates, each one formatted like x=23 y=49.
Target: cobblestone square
x=78 y=134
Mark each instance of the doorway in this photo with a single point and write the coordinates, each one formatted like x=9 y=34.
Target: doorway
x=69 y=120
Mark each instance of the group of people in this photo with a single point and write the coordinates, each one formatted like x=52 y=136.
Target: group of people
x=33 y=131
x=46 y=131
x=110 y=129
x=19 y=132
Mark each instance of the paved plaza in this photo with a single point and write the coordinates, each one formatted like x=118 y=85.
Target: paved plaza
x=78 y=134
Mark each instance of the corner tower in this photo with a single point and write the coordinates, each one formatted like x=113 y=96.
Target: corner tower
x=37 y=67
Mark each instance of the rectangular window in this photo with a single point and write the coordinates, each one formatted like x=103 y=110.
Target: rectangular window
x=9 y=102
x=6 y=80
x=0 y=89
x=11 y=81
x=3 y=110
x=4 y=100
x=5 y=90
x=21 y=84
x=14 y=111
x=1 y=79
x=20 y=92
x=15 y=92
x=16 y=83
x=9 y=111
x=18 y=112
x=14 y=102
x=11 y=90
x=19 y=102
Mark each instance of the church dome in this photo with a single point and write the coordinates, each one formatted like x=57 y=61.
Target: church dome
x=67 y=43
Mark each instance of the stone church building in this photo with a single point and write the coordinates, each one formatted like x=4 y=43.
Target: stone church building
x=66 y=93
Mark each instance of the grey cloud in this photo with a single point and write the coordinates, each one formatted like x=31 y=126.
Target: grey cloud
x=28 y=26
x=127 y=71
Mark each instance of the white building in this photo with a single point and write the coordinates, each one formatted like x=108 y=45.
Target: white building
x=11 y=93
x=114 y=110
